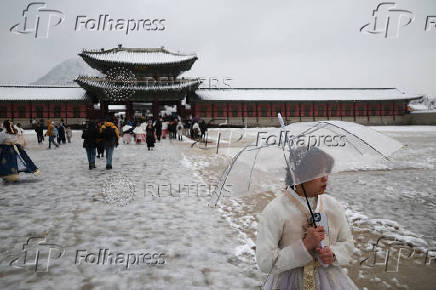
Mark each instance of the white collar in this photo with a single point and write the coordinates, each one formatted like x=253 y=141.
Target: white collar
x=313 y=201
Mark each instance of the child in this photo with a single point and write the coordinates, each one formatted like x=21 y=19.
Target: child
x=69 y=133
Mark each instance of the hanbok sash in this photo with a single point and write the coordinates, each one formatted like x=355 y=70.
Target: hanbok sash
x=310 y=268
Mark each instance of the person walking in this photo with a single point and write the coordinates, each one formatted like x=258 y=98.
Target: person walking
x=61 y=133
x=89 y=137
x=149 y=135
x=12 y=155
x=111 y=136
x=51 y=134
x=195 y=131
x=39 y=132
x=158 y=128
x=100 y=141
x=180 y=131
x=203 y=129
x=69 y=134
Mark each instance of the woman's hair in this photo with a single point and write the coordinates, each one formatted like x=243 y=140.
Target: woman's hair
x=308 y=164
x=9 y=129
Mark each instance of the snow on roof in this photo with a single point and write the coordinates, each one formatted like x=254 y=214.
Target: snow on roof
x=139 y=56
x=418 y=107
x=152 y=87
x=303 y=94
x=41 y=93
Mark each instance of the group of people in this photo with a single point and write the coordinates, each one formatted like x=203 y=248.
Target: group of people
x=150 y=131
x=98 y=139
x=175 y=129
x=198 y=130
x=301 y=254
x=57 y=133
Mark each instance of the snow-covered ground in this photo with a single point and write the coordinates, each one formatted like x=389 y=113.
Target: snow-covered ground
x=205 y=248
x=66 y=206
x=396 y=201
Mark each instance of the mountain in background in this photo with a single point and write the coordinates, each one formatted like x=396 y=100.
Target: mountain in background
x=66 y=72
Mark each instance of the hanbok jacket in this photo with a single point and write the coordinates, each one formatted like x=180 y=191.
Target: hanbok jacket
x=281 y=230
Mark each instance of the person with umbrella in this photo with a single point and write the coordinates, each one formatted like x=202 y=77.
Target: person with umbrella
x=303 y=236
x=290 y=246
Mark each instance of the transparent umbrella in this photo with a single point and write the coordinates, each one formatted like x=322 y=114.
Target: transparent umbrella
x=300 y=152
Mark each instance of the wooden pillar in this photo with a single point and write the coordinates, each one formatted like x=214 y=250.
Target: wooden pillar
x=256 y=107
x=367 y=110
x=313 y=111
x=393 y=110
x=285 y=112
x=155 y=109
x=129 y=110
x=300 y=105
x=31 y=112
x=354 y=111
x=104 y=109
x=180 y=110
x=193 y=111
x=65 y=107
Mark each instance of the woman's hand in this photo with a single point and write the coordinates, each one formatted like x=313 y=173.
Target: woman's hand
x=313 y=237
x=326 y=255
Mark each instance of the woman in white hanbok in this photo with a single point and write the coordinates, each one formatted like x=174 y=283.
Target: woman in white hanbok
x=294 y=253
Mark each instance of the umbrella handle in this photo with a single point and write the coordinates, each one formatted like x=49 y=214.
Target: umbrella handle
x=308 y=205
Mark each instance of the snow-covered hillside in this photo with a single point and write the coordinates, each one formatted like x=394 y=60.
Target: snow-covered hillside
x=65 y=72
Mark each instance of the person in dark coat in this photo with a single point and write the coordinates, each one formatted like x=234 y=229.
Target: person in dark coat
x=39 y=132
x=149 y=135
x=203 y=129
x=100 y=141
x=89 y=137
x=61 y=133
x=158 y=128
x=111 y=136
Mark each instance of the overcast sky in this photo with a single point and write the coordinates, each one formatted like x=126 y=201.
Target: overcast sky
x=304 y=43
